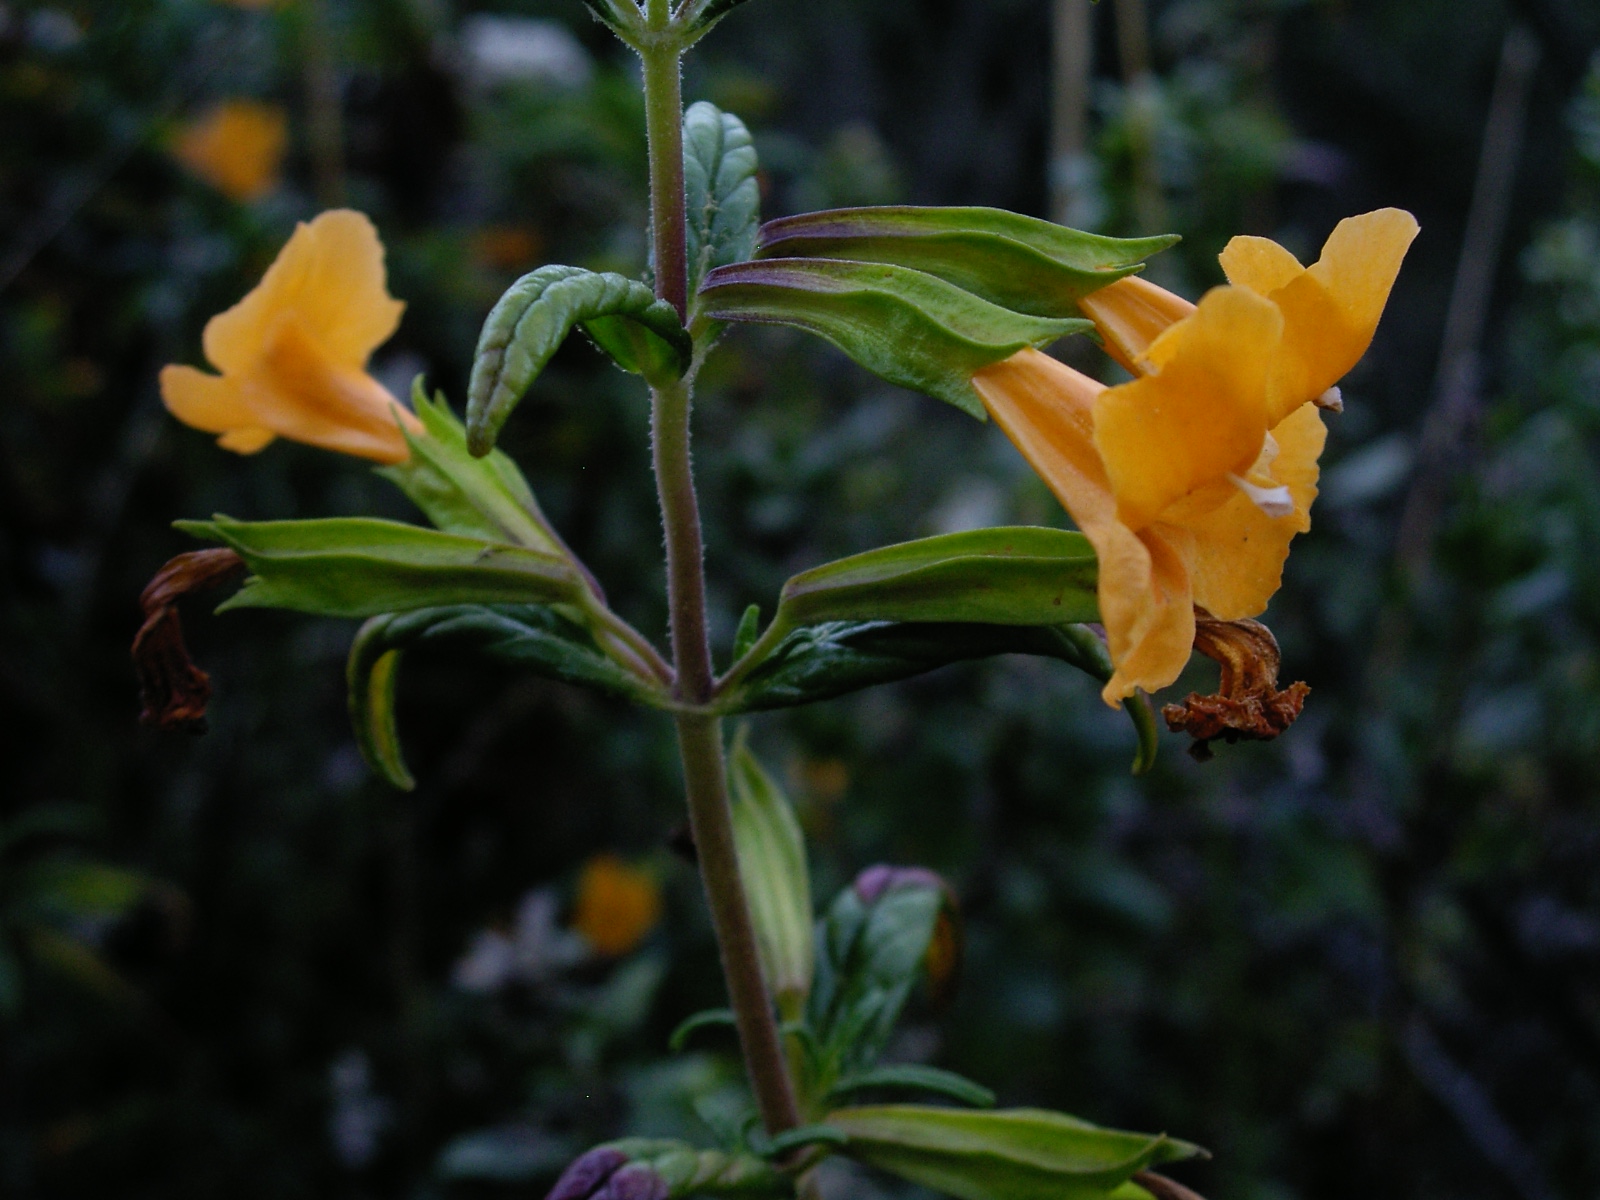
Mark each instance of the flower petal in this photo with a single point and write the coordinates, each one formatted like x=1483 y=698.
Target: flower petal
x=330 y=275
x=207 y=402
x=1330 y=310
x=1201 y=417
x=1239 y=550
x=238 y=147
x=1046 y=409
x=300 y=394
x=1130 y=314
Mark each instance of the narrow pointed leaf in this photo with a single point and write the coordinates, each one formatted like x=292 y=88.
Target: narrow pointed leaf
x=904 y=326
x=711 y=1018
x=918 y=1078
x=772 y=861
x=372 y=673
x=1017 y=262
x=530 y=636
x=359 y=567
x=723 y=197
x=708 y=12
x=480 y=497
x=1013 y=1154
x=535 y=315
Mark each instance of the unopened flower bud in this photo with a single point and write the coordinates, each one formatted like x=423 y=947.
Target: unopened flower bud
x=587 y=1174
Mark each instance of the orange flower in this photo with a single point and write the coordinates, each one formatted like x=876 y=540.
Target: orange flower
x=237 y=148
x=293 y=353
x=1192 y=480
x=617 y=905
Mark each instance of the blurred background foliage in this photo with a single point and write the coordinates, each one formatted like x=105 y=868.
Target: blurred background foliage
x=1362 y=961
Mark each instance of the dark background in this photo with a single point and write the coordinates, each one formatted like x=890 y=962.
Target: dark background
x=1363 y=961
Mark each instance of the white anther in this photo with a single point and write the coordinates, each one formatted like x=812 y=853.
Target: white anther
x=1275 y=502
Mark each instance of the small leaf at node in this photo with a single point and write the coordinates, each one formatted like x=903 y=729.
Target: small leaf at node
x=1017 y=262
x=749 y=629
x=904 y=326
x=723 y=197
x=371 y=673
x=535 y=315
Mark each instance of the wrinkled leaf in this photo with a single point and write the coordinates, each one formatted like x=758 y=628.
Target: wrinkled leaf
x=904 y=326
x=528 y=324
x=1017 y=262
x=1013 y=1154
x=530 y=636
x=478 y=497
x=777 y=885
x=360 y=567
x=723 y=197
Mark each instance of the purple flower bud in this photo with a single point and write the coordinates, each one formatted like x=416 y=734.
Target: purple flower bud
x=587 y=1172
x=634 y=1182
x=872 y=883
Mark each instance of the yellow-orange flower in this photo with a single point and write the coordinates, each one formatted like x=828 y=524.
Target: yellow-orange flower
x=293 y=353
x=1192 y=480
x=237 y=148
x=617 y=905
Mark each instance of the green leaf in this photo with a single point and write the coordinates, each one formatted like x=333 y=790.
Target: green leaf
x=820 y=662
x=749 y=629
x=920 y=1078
x=806 y=1135
x=530 y=636
x=1013 y=1154
x=533 y=318
x=711 y=1018
x=477 y=497
x=67 y=891
x=905 y=326
x=1021 y=575
x=689 y=1171
x=723 y=197
x=1017 y=262
x=869 y=957
x=371 y=680
x=707 y=13
x=360 y=567
x=777 y=885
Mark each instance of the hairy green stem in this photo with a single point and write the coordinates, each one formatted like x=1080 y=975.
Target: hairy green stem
x=700 y=736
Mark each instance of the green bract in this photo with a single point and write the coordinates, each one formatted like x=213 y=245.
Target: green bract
x=1015 y=1154
x=772 y=861
x=360 y=567
x=1017 y=262
x=723 y=199
x=904 y=326
x=530 y=636
x=533 y=318
x=479 y=497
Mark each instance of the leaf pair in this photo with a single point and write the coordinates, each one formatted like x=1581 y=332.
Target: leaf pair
x=924 y=297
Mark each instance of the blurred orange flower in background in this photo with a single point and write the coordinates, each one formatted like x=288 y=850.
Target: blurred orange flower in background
x=237 y=147
x=617 y=905
x=293 y=353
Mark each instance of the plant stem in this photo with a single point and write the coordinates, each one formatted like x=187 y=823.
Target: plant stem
x=663 y=101
x=699 y=735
